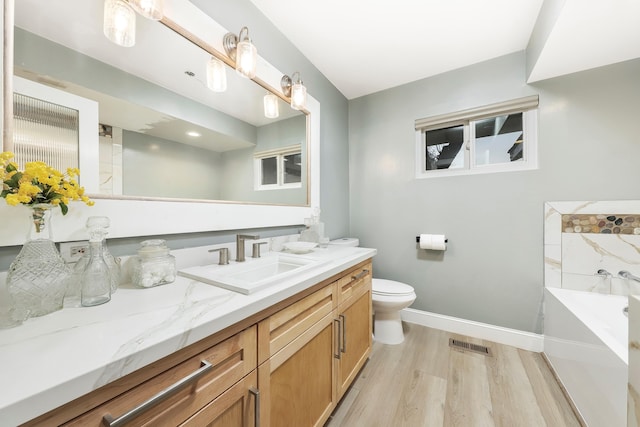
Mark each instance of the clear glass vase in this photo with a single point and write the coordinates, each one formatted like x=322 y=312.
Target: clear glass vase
x=37 y=277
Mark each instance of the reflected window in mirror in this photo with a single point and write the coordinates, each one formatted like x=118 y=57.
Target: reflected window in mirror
x=279 y=169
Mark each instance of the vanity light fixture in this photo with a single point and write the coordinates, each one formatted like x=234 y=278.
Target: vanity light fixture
x=119 y=24
x=194 y=134
x=294 y=88
x=271 y=110
x=242 y=51
x=216 y=75
x=150 y=9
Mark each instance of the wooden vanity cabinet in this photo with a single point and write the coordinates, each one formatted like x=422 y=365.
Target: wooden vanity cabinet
x=308 y=363
x=286 y=366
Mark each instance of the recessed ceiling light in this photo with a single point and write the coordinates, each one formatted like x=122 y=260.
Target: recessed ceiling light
x=193 y=134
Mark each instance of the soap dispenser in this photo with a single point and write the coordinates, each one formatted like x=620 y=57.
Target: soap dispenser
x=315 y=229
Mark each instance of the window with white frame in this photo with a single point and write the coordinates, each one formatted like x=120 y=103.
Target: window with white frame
x=493 y=138
x=278 y=169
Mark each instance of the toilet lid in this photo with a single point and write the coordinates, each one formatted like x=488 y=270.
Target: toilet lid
x=390 y=287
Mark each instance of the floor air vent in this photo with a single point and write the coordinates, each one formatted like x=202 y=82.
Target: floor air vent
x=467 y=346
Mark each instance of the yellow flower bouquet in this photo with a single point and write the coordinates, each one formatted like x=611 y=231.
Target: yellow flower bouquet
x=39 y=183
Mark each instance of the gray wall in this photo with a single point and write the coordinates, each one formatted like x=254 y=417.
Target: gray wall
x=334 y=147
x=492 y=270
x=156 y=167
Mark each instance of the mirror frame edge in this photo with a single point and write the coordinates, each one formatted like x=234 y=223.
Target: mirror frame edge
x=131 y=218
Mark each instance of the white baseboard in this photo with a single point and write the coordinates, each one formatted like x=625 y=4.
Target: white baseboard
x=513 y=337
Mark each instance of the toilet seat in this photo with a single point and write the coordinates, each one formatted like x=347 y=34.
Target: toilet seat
x=384 y=287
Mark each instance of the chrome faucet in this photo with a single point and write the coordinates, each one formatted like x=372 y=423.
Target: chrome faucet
x=626 y=275
x=240 y=238
x=604 y=273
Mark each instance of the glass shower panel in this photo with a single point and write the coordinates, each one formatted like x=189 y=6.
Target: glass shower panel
x=44 y=131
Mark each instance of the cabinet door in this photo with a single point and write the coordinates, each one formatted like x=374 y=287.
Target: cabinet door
x=236 y=407
x=355 y=338
x=278 y=330
x=296 y=383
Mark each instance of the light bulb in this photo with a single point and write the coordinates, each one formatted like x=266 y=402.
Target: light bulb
x=119 y=23
x=216 y=75
x=246 y=58
x=298 y=96
x=271 y=110
x=150 y=9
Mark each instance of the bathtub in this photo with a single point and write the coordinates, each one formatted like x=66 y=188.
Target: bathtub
x=586 y=343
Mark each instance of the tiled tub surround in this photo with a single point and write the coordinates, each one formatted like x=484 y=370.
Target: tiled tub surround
x=601 y=223
x=582 y=237
x=56 y=358
x=576 y=245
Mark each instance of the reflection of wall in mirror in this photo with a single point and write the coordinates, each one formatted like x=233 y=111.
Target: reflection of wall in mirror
x=156 y=167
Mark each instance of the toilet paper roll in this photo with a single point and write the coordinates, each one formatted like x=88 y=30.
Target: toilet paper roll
x=434 y=242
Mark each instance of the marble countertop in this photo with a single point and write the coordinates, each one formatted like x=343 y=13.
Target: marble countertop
x=53 y=359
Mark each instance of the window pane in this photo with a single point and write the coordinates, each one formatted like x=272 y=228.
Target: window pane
x=499 y=139
x=292 y=168
x=269 y=171
x=444 y=148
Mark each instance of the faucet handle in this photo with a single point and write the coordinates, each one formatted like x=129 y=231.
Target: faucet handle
x=603 y=272
x=256 y=249
x=224 y=255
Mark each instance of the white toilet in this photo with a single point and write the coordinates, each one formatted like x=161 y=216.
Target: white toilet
x=388 y=298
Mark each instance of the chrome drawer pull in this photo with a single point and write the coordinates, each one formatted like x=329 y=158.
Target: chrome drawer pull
x=344 y=333
x=337 y=354
x=256 y=393
x=108 y=420
x=360 y=275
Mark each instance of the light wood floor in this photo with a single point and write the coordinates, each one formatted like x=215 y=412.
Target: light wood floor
x=424 y=382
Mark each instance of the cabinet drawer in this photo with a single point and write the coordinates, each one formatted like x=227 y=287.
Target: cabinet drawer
x=354 y=283
x=230 y=361
x=236 y=407
x=280 y=329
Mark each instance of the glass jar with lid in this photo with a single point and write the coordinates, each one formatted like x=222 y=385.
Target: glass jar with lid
x=153 y=265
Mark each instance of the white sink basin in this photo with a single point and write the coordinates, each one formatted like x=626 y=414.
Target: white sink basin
x=253 y=274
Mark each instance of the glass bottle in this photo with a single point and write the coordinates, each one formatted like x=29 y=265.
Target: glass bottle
x=74 y=286
x=103 y=223
x=37 y=277
x=96 y=277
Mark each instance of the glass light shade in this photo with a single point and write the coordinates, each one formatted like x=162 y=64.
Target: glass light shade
x=119 y=22
x=246 y=59
x=216 y=75
x=298 y=96
x=150 y=9
x=271 y=110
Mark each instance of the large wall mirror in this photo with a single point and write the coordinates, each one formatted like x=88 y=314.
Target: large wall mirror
x=162 y=133
x=155 y=178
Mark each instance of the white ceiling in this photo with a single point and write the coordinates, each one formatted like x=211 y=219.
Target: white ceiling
x=364 y=46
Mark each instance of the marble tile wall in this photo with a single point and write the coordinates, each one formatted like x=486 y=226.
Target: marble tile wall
x=579 y=240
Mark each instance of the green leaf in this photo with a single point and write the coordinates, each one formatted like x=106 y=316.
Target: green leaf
x=64 y=208
x=10 y=168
